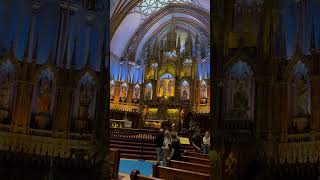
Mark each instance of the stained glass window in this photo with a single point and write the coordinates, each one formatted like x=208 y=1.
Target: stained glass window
x=147 y=7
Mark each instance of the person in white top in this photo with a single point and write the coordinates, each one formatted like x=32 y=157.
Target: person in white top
x=166 y=146
x=206 y=143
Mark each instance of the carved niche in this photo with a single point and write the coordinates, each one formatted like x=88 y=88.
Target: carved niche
x=87 y=94
x=6 y=87
x=44 y=94
x=240 y=92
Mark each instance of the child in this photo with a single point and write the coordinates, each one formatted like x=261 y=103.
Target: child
x=206 y=143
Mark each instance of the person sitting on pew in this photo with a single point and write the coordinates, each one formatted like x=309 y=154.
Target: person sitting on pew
x=159 y=143
x=197 y=140
x=166 y=146
x=206 y=143
x=175 y=148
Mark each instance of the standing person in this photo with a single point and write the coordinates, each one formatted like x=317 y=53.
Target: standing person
x=206 y=143
x=197 y=140
x=159 y=143
x=175 y=148
x=166 y=146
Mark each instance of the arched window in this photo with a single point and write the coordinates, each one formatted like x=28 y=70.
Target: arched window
x=86 y=110
x=111 y=90
x=136 y=93
x=185 y=90
x=203 y=92
x=43 y=101
x=6 y=89
x=240 y=91
x=148 y=92
x=124 y=92
x=147 y=7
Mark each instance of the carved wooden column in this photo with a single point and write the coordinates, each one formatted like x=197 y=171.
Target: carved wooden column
x=117 y=89
x=130 y=92
x=284 y=110
x=64 y=93
x=315 y=82
x=315 y=103
x=22 y=109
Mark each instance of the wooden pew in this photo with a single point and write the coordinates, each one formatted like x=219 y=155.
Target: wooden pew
x=169 y=173
x=196 y=160
x=135 y=175
x=115 y=162
x=197 y=155
x=189 y=166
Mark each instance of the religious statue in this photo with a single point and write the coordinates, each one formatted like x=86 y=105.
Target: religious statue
x=171 y=88
x=44 y=95
x=302 y=97
x=111 y=91
x=127 y=123
x=123 y=93
x=240 y=102
x=86 y=99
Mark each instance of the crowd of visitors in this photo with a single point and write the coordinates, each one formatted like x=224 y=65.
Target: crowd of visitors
x=168 y=146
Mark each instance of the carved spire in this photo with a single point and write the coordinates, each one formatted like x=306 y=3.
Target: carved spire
x=65 y=54
x=12 y=48
x=179 y=44
x=74 y=54
x=149 y=51
x=88 y=58
x=155 y=50
x=298 y=48
x=132 y=79
x=197 y=45
x=172 y=35
x=35 y=49
x=50 y=57
x=26 y=49
x=188 y=48
x=319 y=38
x=313 y=38
x=103 y=52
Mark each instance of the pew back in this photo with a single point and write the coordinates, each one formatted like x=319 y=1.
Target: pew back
x=135 y=175
x=196 y=160
x=169 y=173
x=189 y=166
x=115 y=162
x=197 y=155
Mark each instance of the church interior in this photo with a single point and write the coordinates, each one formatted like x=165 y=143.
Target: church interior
x=159 y=89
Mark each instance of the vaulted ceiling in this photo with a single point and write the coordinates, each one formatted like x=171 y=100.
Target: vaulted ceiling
x=131 y=28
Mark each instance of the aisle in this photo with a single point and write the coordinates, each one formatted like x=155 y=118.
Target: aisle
x=127 y=165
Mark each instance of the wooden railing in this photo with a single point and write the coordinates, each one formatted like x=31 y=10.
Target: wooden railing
x=130 y=107
x=204 y=108
x=134 y=134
